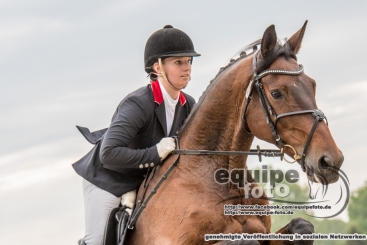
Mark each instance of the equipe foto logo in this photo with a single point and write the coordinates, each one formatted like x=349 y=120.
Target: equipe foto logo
x=276 y=185
x=273 y=177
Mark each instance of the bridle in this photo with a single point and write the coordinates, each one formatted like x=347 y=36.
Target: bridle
x=269 y=111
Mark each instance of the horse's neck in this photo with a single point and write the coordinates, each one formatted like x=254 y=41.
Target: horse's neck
x=217 y=123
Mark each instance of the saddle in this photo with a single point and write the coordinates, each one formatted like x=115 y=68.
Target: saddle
x=116 y=226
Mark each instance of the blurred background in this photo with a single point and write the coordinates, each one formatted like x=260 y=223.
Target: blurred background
x=67 y=63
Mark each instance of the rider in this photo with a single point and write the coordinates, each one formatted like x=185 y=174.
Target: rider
x=140 y=134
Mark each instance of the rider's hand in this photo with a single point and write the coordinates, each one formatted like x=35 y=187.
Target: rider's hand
x=165 y=147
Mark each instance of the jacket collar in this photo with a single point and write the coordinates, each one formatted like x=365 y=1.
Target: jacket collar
x=180 y=112
x=158 y=96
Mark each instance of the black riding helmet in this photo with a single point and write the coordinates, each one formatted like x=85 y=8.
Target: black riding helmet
x=167 y=42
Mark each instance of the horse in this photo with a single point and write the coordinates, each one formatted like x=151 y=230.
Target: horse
x=190 y=204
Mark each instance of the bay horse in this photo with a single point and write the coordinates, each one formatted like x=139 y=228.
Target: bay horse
x=190 y=203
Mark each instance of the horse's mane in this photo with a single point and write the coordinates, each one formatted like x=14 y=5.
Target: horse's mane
x=248 y=50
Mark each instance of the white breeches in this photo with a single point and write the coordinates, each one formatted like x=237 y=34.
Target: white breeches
x=98 y=205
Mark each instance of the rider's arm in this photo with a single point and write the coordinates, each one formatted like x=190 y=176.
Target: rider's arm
x=131 y=115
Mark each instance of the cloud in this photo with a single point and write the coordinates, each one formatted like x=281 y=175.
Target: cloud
x=41 y=194
x=40 y=164
x=19 y=32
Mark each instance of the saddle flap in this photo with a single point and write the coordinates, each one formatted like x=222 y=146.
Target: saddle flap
x=109 y=237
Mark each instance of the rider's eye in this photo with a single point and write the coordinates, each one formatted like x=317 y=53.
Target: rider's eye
x=276 y=94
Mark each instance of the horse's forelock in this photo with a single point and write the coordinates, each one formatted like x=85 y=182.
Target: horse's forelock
x=280 y=50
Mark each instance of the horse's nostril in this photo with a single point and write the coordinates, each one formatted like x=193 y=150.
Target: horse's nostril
x=325 y=162
x=328 y=171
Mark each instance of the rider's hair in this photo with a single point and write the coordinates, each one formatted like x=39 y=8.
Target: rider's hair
x=153 y=75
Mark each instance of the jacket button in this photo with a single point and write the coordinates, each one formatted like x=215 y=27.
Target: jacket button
x=152 y=164
x=141 y=166
x=147 y=165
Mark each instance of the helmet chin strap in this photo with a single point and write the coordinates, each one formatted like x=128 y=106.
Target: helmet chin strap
x=164 y=74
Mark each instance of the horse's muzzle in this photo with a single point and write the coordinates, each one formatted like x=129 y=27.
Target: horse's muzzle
x=329 y=166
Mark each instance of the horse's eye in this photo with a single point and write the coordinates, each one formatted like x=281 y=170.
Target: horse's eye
x=276 y=94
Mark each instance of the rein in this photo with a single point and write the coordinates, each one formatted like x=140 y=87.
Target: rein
x=258 y=152
x=140 y=206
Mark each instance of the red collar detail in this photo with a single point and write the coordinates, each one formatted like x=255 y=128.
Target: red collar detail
x=182 y=99
x=158 y=96
x=157 y=92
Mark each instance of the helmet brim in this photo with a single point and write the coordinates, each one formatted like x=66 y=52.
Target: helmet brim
x=154 y=59
x=188 y=54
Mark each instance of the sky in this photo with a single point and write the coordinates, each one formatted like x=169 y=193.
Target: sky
x=67 y=63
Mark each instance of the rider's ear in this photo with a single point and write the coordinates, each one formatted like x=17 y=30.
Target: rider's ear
x=296 y=40
x=157 y=68
x=269 y=41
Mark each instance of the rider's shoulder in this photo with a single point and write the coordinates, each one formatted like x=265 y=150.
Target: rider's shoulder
x=142 y=93
x=140 y=97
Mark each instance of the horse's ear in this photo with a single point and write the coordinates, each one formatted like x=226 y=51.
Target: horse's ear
x=296 y=40
x=269 y=41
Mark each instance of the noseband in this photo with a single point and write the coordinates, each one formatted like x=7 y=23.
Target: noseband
x=269 y=111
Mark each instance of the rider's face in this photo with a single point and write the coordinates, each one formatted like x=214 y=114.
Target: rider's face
x=178 y=70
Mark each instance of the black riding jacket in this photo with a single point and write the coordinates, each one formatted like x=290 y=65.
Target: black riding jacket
x=123 y=153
